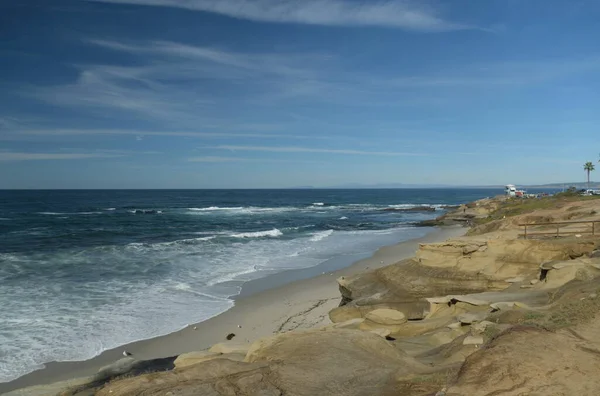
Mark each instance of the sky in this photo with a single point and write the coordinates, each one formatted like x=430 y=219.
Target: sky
x=288 y=93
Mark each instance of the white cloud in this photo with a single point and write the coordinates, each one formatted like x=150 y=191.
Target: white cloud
x=394 y=14
x=294 y=149
x=21 y=156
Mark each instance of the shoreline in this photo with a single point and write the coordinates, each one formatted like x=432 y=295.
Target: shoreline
x=293 y=299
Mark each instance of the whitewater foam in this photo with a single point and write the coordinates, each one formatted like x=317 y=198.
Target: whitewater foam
x=241 y=210
x=318 y=236
x=213 y=208
x=62 y=214
x=232 y=276
x=187 y=241
x=319 y=207
x=259 y=234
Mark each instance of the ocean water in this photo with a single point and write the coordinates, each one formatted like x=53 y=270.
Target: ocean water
x=86 y=271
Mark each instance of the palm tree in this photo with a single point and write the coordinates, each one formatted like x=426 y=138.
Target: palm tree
x=588 y=167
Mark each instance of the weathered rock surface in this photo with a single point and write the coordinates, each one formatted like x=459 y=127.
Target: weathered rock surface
x=191 y=358
x=520 y=362
x=465 y=214
x=473 y=340
x=383 y=319
x=470 y=318
x=382 y=332
x=457 y=268
x=500 y=258
x=418 y=327
x=404 y=287
x=85 y=386
x=413 y=310
x=231 y=347
x=218 y=377
x=351 y=324
x=386 y=317
x=295 y=363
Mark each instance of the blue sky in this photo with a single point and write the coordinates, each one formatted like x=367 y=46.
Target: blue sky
x=266 y=93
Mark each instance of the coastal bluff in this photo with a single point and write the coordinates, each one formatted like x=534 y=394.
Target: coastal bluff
x=473 y=315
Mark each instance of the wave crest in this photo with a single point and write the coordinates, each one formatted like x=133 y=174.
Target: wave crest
x=318 y=236
x=274 y=233
x=214 y=208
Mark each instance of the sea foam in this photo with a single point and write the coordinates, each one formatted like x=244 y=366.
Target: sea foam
x=259 y=234
x=318 y=236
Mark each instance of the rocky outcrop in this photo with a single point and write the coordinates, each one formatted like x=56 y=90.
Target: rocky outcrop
x=218 y=377
x=385 y=319
x=191 y=358
x=384 y=316
x=356 y=363
x=461 y=266
x=519 y=362
x=557 y=273
x=239 y=347
x=404 y=287
x=85 y=386
x=465 y=214
x=500 y=258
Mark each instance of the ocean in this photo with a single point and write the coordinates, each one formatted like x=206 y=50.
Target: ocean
x=83 y=271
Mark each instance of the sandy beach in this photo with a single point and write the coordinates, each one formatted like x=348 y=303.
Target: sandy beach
x=296 y=299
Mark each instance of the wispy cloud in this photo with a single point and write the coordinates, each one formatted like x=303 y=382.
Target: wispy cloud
x=294 y=149
x=115 y=152
x=23 y=156
x=394 y=14
x=284 y=64
x=6 y=123
x=218 y=159
x=178 y=87
x=167 y=132
x=158 y=86
x=123 y=89
x=491 y=74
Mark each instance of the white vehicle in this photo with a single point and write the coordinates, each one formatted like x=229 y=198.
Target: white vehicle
x=591 y=192
x=510 y=190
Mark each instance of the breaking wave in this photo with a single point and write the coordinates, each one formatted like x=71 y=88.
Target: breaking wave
x=274 y=233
